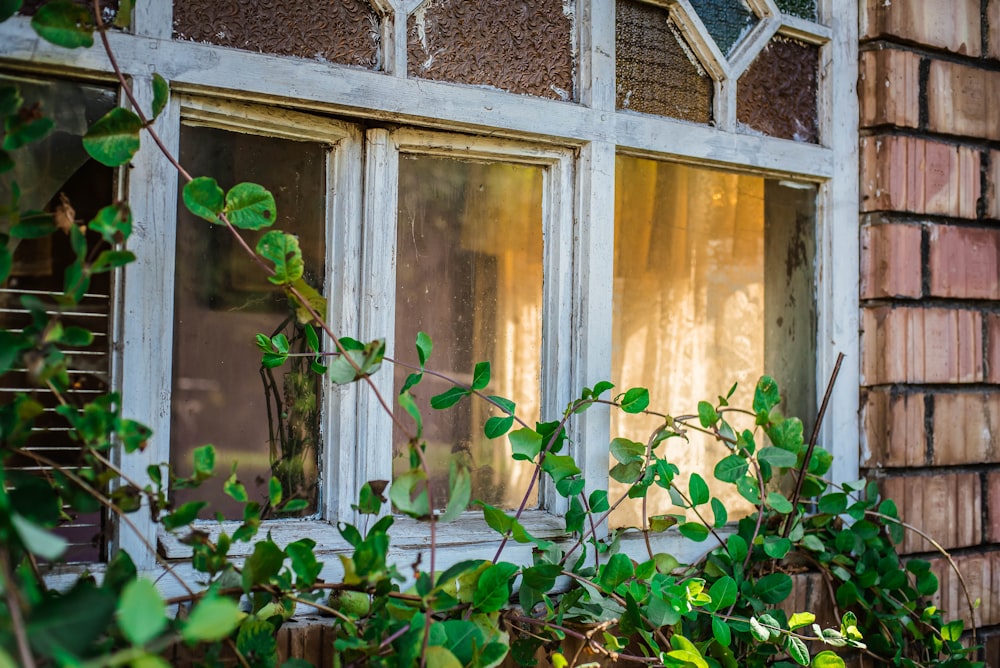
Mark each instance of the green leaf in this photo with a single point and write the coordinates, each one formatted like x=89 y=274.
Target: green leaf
x=262 y=565
x=256 y=639
x=698 y=490
x=801 y=619
x=777 y=457
x=448 y=398
x=481 y=376
x=424 y=347
x=250 y=206
x=8 y=8
x=696 y=531
x=283 y=250
x=635 y=400
x=598 y=501
x=626 y=473
x=440 y=657
x=274 y=492
x=204 y=461
x=560 y=467
x=33 y=227
x=494 y=587
x=766 y=395
x=798 y=651
x=720 y=513
x=773 y=588
x=626 y=451
x=833 y=503
x=731 y=468
x=401 y=493
x=68 y=624
x=6 y=264
x=827 y=659
x=723 y=593
x=142 y=613
x=204 y=198
x=721 y=632
x=161 y=92
x=707 y=414
x=24 y=128
x=409 y=404
x=778 y=501
x=212 y=619
x=113 y=223
x=459 y=492
x=65 y=24
x=758 y=631
x=525 y=444
x=498 y=425
x=38 y=540
x=111 y=259
x=787 y=434
x=618 y=569
x=304 y=563
x=776 y=547
x=235 y=489
x=114 y=138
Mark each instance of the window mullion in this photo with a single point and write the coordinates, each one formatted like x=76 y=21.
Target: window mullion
x=593 y=283
x=378 y=299
x=153 y=18
x=343 y=242
x=144 y=317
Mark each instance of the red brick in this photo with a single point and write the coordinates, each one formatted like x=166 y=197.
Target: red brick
x=890 y=88
x=981 y=573
x=993 y=497
x=919 y=176
x=891 y=261
x=946 y=507
x=966 y=428
x=993 y=348
x=993 y=185
x=963 y=262
x=961 y=100
x=921 y=345
x=993 y=45
x=953 y=25
x=894 y=430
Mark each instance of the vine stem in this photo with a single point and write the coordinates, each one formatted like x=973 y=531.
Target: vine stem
x=593 y=644
x=16 y=616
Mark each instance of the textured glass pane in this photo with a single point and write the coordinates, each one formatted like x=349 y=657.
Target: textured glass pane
x=713 y=285
x=339 y=31
x=727 y=20
x=266 y=421
x=52 y=174
x=521 y=46
x=656 y=72
x=469 y=273
x=777 y=94
x=110 y=7
x=802 y=8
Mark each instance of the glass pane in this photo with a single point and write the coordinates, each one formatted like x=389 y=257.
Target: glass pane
x=469 y=273
x=656 y=72
x=519 y=47
x=727 y=21
x=347 y=32
x=53 y=174
x=713 y=285
x=266 y=421
x=777 y=94
x=805 y=9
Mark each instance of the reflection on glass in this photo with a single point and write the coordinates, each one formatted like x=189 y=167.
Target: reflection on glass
x=266 y=421
x=469 y=273
x=713 y=285
x=51 y=175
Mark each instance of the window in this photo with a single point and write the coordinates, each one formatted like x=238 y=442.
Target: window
x=504 y=211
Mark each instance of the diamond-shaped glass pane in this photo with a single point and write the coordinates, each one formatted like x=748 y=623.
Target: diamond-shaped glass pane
x=339 y=31
x=727 y=20
x=777 y=94
x=805 y=9
x=655 y=70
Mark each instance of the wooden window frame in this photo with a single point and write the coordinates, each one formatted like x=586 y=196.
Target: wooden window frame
x=580 y=140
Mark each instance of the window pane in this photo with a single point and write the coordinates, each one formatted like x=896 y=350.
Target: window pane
x=802 y=8
x=656 y=71
x=727 y=20
x=266 y=421
x=469 y=273
x=347 y=32
x=519 y=47
x=777 y=94
x=54 y=173
x=713 y=285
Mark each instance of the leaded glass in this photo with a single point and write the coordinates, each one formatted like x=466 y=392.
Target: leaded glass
x=518 y=46
x=339 y=31
x=777 y=95
x=656 y=72
x=805 y=9
x=727 y=20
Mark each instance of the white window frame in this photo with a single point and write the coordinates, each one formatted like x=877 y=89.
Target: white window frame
x=580 y=141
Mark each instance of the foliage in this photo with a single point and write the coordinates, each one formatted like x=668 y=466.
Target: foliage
x=728 y=609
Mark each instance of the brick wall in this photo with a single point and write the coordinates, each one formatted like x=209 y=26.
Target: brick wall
x=929 y=86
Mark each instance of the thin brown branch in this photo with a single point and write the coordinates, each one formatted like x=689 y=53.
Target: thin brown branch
x=16 y=614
